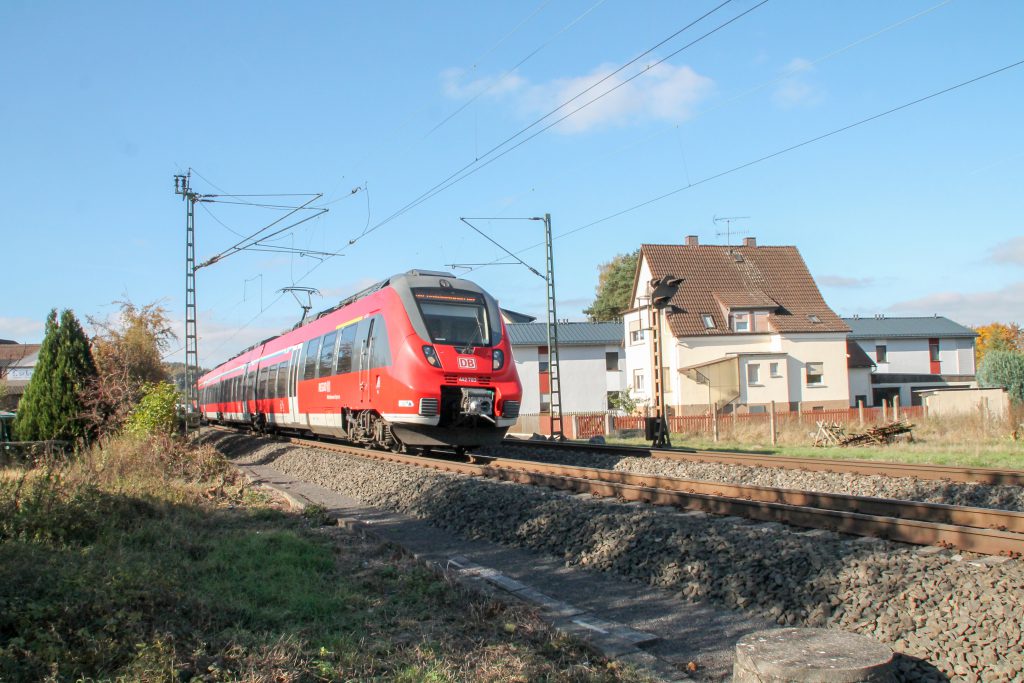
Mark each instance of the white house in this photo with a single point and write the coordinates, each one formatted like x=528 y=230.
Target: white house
x=17 y=362
x=591 y=365
x=914 y=354
x=746 y=328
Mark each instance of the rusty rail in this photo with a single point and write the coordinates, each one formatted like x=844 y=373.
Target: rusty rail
x=980 y=530
x=981 y=475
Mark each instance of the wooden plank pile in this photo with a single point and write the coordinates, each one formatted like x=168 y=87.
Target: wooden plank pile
x=833 y=434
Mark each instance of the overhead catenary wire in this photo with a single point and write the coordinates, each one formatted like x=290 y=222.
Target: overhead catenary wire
x=476 y=165
x=766 y=157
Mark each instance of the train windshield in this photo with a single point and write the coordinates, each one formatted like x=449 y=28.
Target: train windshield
x=453 y=317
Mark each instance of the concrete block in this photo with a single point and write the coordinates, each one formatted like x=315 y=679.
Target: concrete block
x=810 y=655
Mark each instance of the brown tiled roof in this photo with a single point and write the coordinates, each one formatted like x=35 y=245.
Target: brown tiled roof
x=15 y=352
x=719 y=276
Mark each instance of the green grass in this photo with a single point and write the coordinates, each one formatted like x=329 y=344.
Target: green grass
x=1004 y=454
x=107 y=574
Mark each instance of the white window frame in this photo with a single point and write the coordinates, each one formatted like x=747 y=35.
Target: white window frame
x=638 y=380
x=820 y=374
x=753 y=374
x=773 y=370
x=737 y=318
x=709 y=321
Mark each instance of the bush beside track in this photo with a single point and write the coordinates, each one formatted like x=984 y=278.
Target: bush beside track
x=146 y=560
x=940 y=610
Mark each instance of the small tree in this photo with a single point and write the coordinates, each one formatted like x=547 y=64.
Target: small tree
x=156 y=412
x=624 y=401
x=614 y=285
x=1004 y=369
x=128 y=357
x=51 y=407
x=997 y=337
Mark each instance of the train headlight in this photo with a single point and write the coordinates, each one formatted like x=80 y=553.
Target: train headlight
x=431 y=355
x=497 y=359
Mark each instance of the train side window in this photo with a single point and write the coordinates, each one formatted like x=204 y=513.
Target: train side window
x=379 y=348
x=345 y=345
x=275 y=381
x=262 y=382
x=282 y=373
x=310 y=353
x=327 y=354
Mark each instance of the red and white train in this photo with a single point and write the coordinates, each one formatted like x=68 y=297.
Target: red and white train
x=421 y=359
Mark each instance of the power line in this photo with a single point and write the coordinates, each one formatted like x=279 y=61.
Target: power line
x=441 y=186
x=773 y=155
x=575 y=111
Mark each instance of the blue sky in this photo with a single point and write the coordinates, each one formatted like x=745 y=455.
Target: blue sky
x=919 y=212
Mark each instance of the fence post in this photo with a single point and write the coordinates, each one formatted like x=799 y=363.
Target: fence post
x=885 y=411
x=607 y=423
x=896 y=407
x=771 y=423
x=800 y=412
x=714 y=423
x=860 y=411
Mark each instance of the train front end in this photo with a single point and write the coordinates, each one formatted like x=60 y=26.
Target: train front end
x=467 y=389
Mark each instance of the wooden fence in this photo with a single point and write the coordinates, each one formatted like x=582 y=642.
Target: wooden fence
x=588 y=425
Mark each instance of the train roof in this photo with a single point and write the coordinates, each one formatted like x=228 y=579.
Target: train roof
x=410 y=278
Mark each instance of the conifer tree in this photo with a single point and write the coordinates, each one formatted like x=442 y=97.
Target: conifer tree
x=51 y=408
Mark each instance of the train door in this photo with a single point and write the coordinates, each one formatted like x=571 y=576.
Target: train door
x=364 y=337
x=247 y=384
x=293 y=394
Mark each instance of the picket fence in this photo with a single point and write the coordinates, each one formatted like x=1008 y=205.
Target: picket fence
x=588 y=425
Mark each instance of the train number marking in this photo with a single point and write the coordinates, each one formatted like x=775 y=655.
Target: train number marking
x=467 y=363
x=323 y=387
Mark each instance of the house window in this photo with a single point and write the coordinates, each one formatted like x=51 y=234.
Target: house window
x=611 y=361
x=636 y=336
x=815 y=374
x=933 y=350
x=753 y=373
x=709 y=321
x=814 y=319
x=545 y=403
x=638 y=380
x=611 y=396
x=773 y=370
x=881 y=353
x=740 y=322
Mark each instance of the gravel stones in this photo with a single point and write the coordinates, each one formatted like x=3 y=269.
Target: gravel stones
x=901 y=488
x=947 y=616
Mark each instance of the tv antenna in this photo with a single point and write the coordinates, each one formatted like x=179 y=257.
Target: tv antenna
x=297 y=292
x=729 y=232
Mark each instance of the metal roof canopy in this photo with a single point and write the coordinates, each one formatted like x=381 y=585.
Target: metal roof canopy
x=920 y=327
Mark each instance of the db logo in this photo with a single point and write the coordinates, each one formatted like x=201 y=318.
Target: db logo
x=468 y=363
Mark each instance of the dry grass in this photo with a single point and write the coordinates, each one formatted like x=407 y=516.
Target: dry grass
x=146 y=560
x=967 y=441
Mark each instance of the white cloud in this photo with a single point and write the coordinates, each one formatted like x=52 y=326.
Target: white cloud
x=664 y=92
x=970 y=308
x=794 y=89
x=845 y=282
x=1011 y=251
x=460 y=84
x=23 y=330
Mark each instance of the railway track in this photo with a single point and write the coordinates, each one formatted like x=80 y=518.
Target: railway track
x=979 y=530
x=980 y=475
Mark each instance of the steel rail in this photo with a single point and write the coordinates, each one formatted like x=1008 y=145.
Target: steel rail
x=981 y=475
x=987 y=541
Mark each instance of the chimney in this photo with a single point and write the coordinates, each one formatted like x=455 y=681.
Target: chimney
x=692 y=241
x=750 y=241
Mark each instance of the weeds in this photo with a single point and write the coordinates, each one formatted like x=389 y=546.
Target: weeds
x=145 y=560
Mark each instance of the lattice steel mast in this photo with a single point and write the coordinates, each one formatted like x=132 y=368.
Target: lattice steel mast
x=181 y=186
x=554 y=377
